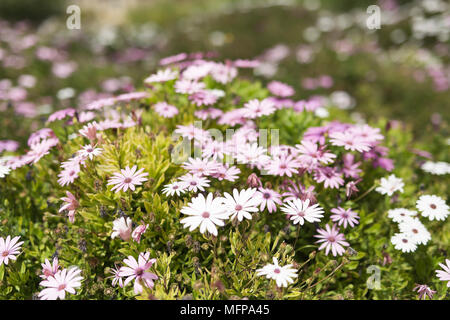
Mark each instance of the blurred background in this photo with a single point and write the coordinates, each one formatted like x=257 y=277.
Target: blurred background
x=320 y=47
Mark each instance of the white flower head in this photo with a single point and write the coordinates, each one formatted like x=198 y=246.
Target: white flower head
x=206 y=213
x=299 y=211
x=404 y=242
x=242 y=203
x=282 y=275
x=416 y=230
x=390 y=185
x=432 y=207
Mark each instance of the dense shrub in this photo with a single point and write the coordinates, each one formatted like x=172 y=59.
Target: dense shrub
x=99 y=195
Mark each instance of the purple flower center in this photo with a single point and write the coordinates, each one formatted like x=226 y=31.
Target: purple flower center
x=61 y=287
x=331 y=239
x=415 y=231
x=127 y=180
x=267 y=195
x=238 y=207
x=139 y=272
x=433 y=206
x=193 y=183
x=405 y=240
x=277 y=270
x=5 y=253
x=205 y=215
x=301 y=213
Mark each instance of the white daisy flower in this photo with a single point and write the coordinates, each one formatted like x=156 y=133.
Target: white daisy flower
x=89 y=151
x=432 y=207
x=206 y=213
x=4 y=171
x=122 y=227
x=242 y=203
x=299 y=211
x=404 y=242
x=438 y=168
x=282 y=275
x=390 y=185
x=416 y=230
x=174 y=188
x=401 y=214
x=194 y=182
x=63 y=281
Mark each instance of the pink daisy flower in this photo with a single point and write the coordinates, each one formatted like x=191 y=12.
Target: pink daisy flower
x=39 y=135
x=332 y=240
x=174 y=188
x=68 y=175
x=311 y=153
x=424 y=291
x=211 y=113
x=350 y=168
x=130 y=96
x=201 y=167
x=61 y=114
x=8 y=145
x=138 y=232
x=71 y=204
x=223 y=73
x=226 y=172
x=213 y=149
x=62 y=282
x=188 y=86
x=329 y=176
x=9 y=249
x=40 y=149
x=280 y=89
x=349 y=141
x=116 y=277
x=250 y=154
x=127 y=179
x=255 y=108
x=173 y=59
x=343 y=216
x=244 y=63
x=90 y=131
x=444 y=275
x=283 y=165
x=194 y=182
x=192 y=132
x=294 y=191
x=162 y=76
x=49 y=269
x=367 y=133
x=101 y=103
x=137 y=271
x=203 y=98
x=86 y=116
x=269 y=198
x=165 y=110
